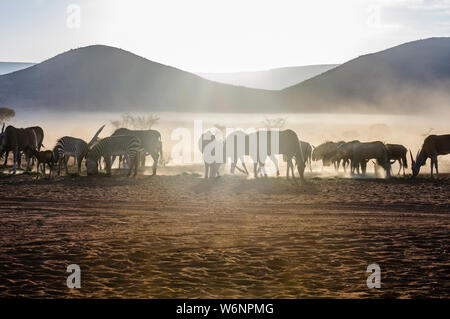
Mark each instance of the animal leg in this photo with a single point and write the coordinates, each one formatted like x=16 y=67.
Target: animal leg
x=66 y=159
x=206 y=170
x=107 y=159
x=431 y=164
x=292 y=168
x=263 y=169
x=79 y=160
x=436 y=166
x=6 y=158
x=287 y=169
x=245 y=167
x=135 y=169
x=155 y=157
x=255 y=170
x=16 y=154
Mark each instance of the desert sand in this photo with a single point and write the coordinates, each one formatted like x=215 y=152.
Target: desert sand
x=177 y=235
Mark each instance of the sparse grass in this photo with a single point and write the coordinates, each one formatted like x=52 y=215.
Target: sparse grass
x=137 y=122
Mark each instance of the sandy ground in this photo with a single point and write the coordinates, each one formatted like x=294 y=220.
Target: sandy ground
x=178 y=235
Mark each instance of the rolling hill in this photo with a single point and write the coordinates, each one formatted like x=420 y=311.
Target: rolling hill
x=8 y=67
x=411 y=77
x=273 y=79
x=102 y=78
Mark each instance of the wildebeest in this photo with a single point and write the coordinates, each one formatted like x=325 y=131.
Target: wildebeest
x=214 y=153
x=397 y=152
x=371 y=150
x=288 y=146
x=326 y=152
x=344 y=152
x=433 y=145
x=68 y=146
x=150 y=141
x=42 y=158
x=16 y=140
x=128 y=145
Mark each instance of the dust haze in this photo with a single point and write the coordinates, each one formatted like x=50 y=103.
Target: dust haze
x=409 y=130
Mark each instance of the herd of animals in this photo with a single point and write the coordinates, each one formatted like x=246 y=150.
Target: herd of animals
x=132 y=146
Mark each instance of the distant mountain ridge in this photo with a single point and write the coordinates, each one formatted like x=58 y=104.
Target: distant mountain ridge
x=407 y=78
x=273 y=79
x=103 y=78
x=412 y=77
x=8 y=67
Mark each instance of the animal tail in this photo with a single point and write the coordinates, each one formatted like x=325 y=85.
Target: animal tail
x=405 y=161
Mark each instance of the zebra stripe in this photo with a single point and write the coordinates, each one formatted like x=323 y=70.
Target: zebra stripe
x=70 y=146
x=117 y=145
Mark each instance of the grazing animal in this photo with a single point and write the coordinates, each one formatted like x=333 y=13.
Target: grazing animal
x=326 y=152
x=362 y=152
x=68 y=146
x=397 y=152
x=214 y=153
x=39 y=138
x=151 y=143
x=236 y=150
x=345 y=151
x=125 y=145
x=433 y=146
x=17 y=140
x=306 y=149
x=44 y=158
x=288 y=146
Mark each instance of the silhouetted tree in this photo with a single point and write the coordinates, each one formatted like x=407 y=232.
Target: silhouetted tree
x=6 y=113
x=274 y=123
x=136 y=122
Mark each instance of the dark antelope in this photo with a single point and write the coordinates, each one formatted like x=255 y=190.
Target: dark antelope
x=237 y=147
x=433 y=146
x=39 y=139
x=16 y=140
x=327 y=153
x=397 y=152
x=43 y=158
x=362 y=152
x=345 y=153
x=307 y=153
x=288 y=146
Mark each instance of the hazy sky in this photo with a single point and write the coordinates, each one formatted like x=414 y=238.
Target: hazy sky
x=219 y=36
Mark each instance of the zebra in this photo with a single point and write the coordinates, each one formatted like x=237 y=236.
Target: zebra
x=71 y=146
x=117 y=145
